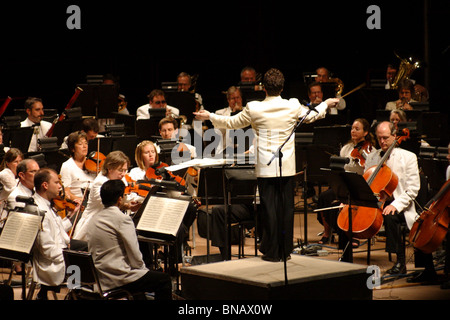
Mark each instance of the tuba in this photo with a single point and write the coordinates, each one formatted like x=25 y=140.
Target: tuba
x=339 y=86
x=406 y=68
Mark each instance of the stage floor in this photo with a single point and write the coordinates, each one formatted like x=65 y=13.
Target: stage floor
x=254 y=278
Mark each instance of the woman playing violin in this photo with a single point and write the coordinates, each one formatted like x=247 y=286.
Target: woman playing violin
x=146 y=156
x=74 y=175
x=362 y=143
x=115 y=167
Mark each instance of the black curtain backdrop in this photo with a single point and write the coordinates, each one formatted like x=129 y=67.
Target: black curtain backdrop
x=146 y=43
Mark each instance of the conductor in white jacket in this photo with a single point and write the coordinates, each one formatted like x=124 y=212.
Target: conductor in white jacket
x=273 y=120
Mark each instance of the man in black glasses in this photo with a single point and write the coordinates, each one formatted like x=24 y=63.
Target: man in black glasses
x=156 y=100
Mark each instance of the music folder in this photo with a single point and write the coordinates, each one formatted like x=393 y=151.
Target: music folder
x=19 y=234
x=161 y=217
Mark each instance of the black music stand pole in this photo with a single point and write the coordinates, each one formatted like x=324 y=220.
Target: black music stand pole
x=278 y=154
x=351 y=189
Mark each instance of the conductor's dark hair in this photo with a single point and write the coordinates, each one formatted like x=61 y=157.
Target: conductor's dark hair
x=273 y=82
x=111 y=191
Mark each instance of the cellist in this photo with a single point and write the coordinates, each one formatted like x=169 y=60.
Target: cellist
x=402 y=209
x=361 y=144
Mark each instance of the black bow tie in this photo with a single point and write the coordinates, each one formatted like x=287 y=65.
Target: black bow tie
x=382 y=153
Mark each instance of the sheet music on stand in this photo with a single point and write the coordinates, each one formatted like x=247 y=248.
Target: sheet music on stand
x=18 y=235
x=162 y=217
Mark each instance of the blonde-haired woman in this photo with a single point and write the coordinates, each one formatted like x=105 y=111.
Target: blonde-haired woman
x=146 y=156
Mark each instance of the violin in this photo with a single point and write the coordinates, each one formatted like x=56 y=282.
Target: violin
x=140 y=188
x=154 y=173
x=62 y=204
x=94 y=162
x=430 y=229
x=361 y=151
x=366 y=222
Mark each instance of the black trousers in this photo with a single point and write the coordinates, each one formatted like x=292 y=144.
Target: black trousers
x=153 y=281
x=238 y=212
x=277 y=216
x=393 y=227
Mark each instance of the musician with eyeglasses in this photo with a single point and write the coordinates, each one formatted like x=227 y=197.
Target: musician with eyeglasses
x=115 y=166
x=156 y=100
x=405 y=96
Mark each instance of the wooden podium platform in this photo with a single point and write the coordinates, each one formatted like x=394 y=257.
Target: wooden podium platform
x=255 y=279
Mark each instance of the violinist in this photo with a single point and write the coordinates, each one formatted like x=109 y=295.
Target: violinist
x=74 y=176
x=115 y=167
x=146 y=156
x=149 y=167
x=362 y=144
x=48 y=260
x=402 y=209
x=8 y=173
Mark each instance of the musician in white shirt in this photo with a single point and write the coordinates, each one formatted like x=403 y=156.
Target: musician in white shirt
x=157 y=100
x=35 y=111
x=48 y=260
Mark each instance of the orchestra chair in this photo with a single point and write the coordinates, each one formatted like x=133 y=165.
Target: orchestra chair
x=239 y=181
x=246 y=225
x=90 y=288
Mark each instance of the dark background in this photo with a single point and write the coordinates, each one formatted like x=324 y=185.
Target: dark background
x=146 y=43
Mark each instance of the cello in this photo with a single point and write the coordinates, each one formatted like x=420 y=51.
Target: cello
x=430 y=229
x=366 y=222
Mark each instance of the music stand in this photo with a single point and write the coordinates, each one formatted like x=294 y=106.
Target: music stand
x=183 y=101
x=160 y=220
x=105 y=145
x=19 y=138
x=165 y=150
x=98 y=100
x=18 y=236
x=352 y=189
x=147 y=129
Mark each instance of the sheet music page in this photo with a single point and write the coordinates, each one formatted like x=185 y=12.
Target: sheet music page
x=163 y=215
x=20 y=231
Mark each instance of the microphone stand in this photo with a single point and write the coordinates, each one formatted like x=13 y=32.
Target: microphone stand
x=278 y=154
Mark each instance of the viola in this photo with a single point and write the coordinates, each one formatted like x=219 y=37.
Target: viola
x=94 y=162
x=366 y=222
x=361 y=151
x=430 y=229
